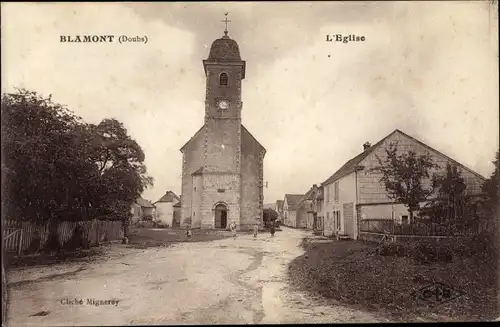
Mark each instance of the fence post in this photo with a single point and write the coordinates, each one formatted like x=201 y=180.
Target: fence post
x=20 y=242
x=96 y=232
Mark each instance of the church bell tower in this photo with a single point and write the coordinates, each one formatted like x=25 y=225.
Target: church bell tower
x=224 y=71
x=222 y=164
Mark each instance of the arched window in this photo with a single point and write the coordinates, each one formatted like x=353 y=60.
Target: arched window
x=223 y=79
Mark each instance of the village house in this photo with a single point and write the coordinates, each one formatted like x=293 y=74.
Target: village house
x=142 y=209
x=168 y=209
x=317 y=209
x=304 y=208
x=308 y=208
x=354 y=192
x=268 y=206
x=278 y=207
x=290 y=209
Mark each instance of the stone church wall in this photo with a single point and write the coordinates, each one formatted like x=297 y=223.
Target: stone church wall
x=220 y=188
x=222 y=145
x=252 y=157
x=197 y=192
x=250 y=191
x=192 y=161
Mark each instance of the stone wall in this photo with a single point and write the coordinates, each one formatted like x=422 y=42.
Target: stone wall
x=222 y=145
x=221 y=188
x=216 y=92
x=196 y=198
x=192 y=160
x=252 y=181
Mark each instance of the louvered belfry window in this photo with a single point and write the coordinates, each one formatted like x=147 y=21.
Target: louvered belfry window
x=223 y=79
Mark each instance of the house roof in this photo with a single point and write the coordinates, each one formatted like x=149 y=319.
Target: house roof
x=177 y=205
x=442 y=154
x=309 y=195
x=268 y=206
x=353 y=164
x=169 y=197
x=279 y=204
x=144 y=203
x=293 y=199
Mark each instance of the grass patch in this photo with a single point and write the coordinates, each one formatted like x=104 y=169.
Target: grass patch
x=152 y=237
x=355 y=274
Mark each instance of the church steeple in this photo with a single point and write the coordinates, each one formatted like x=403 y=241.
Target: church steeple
x=224 y=72
x=226 y=21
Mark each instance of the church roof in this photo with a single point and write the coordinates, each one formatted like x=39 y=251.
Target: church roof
x=247 y=140
x=224 y=48
x=194 y=136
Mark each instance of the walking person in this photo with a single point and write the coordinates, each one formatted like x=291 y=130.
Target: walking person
x=255 y=229
x=189 y=233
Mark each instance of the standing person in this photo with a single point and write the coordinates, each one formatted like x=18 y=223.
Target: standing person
x=272 y=228
x=233 y=228
x=255 y=229
x=189 y=233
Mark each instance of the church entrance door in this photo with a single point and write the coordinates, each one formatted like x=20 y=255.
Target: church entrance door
x=220 y=216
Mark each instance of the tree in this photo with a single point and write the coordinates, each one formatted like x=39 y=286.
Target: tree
x=403 y=176
x=56 y=167
x=121 y=169
x=45 y=171
x=269 y=215
x=451 y=190
x=491 y=185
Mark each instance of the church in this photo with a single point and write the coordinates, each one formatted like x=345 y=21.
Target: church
x=222 y=164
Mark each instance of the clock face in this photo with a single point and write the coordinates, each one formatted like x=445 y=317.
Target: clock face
x=223 y=104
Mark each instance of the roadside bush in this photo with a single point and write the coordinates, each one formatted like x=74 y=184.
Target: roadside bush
x=421 y=252
x=392 y=249
x=77 y=240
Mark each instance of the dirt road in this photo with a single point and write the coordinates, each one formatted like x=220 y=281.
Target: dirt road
x=226 y=281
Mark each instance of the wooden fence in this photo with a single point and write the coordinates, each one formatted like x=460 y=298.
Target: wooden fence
x=19 y=235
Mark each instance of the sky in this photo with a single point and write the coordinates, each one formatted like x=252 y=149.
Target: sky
x=428 y=68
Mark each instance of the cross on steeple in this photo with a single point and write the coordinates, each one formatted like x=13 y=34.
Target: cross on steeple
x=226 y=21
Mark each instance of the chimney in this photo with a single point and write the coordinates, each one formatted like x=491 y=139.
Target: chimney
x=366 y=146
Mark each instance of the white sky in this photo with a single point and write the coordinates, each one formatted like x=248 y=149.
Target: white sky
x=429 y=69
